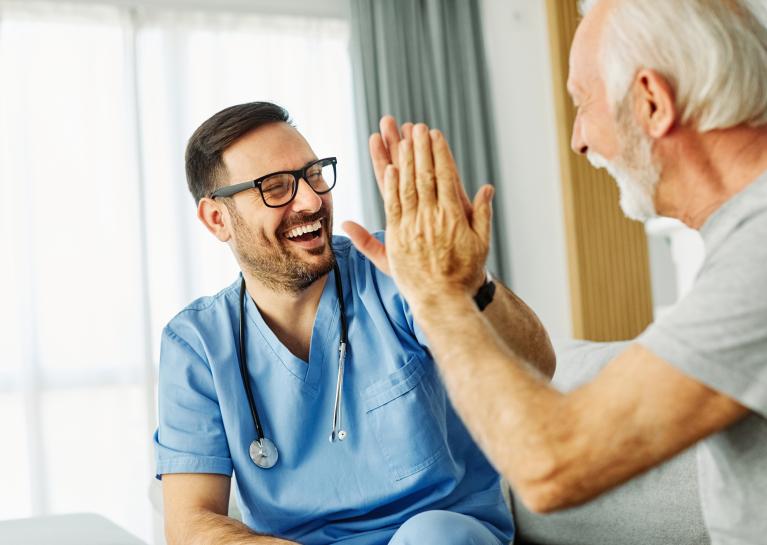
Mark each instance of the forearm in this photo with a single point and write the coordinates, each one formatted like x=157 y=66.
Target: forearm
x=519 y=421
x=208 y=528
x=558 y=450
x=521 y=330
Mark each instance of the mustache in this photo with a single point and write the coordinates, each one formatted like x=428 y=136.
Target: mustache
x=596 y=160
x=301 y=219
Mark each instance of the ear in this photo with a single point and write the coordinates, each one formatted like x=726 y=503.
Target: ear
x=654 y=104
x=215 y=217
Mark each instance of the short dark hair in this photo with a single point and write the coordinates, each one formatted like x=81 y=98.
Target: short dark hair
x=204 y=163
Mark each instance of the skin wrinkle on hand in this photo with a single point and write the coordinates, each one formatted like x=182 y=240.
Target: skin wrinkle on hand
x=445 y=208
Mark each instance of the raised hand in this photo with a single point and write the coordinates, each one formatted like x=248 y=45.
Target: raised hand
x=384 y=151
x=383 y=148
x=433 y=246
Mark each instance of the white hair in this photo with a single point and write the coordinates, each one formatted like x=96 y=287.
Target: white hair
x=712 y=52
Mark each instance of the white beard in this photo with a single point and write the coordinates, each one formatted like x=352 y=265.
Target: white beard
x=637 y=188
x=634 y=169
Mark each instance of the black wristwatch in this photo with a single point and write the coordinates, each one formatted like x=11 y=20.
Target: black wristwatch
x=485 y=294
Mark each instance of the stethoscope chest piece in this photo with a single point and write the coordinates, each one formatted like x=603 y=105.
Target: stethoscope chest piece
x=339 y=435
x=263 y=453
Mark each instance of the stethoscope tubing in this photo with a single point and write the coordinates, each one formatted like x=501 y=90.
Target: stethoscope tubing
x=243 y=366
x=262 y=444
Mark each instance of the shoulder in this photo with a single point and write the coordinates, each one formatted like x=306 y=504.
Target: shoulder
x=749 y=234
x=342 y=246
x=192 y=324
x=344 y=249
x=363 y=274
x=739 y=226
x=740 y=257
x=210 y=304
x=716 y=332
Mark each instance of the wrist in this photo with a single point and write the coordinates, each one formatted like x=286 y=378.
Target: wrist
x=438 y=305
x=441 y=298
x=482 y=277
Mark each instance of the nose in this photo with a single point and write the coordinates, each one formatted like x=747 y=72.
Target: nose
x=306 y=199
x=577 y=142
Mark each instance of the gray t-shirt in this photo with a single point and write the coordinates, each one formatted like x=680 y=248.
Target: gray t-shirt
x=717 y=334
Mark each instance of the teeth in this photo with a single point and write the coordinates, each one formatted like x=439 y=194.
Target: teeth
x=302 y=229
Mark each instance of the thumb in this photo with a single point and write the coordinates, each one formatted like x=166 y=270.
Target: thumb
x=368 y=245
x=481 y=221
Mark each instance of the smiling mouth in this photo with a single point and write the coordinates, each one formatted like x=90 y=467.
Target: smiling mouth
x=305 y=232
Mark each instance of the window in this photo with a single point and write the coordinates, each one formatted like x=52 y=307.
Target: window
x=100 y=242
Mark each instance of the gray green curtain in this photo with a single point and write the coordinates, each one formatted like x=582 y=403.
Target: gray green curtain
x=423 y=60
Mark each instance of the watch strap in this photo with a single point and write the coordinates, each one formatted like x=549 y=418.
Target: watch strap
x=484 y=295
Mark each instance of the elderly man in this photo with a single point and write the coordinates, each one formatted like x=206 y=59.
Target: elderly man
x=672 y=99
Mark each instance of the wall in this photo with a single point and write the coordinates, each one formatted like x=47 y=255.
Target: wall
x=519 y=65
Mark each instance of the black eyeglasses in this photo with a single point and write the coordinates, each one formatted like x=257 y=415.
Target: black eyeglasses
x=279 y=188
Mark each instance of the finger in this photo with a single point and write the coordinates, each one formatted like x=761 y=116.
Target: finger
x=408 y=195
x=392 y=206
x=391 y=137
x=483 y=214
x=447 y=179
x=379 y=156
x=407 y=130
x=449 y=161
x=464 y=198
x=424 y=166
x=368 y=245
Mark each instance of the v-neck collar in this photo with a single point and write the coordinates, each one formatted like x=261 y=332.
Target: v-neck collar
x=326 y=328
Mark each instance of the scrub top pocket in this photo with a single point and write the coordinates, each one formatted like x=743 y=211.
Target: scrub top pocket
x=407 y=412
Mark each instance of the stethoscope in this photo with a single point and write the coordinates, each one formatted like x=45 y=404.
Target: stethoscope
x=263 y=451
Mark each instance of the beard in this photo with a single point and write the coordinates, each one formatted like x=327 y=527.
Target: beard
x=634 y=169
x=273 y=262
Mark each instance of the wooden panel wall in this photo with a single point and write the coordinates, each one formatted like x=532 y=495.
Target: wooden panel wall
x=607 y=253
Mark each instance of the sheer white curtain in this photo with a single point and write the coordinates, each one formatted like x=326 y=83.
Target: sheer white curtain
x=100 y=245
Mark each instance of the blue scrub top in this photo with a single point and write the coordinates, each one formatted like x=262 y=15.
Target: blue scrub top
x=406 y=450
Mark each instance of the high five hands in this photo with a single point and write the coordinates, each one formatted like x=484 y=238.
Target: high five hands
x=436 y=240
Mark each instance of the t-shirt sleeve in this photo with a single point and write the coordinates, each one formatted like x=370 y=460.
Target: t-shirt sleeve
x=717 y=333
x=190 y=436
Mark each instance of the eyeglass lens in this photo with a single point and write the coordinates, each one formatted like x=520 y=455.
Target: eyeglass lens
x=280 y=188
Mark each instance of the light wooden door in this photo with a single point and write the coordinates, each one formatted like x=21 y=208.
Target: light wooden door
x=607 y=253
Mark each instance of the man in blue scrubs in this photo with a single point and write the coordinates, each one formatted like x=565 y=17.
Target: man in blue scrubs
x=406 y=471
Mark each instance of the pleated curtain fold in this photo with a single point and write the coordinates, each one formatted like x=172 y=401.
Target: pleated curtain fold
x=424 y=60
